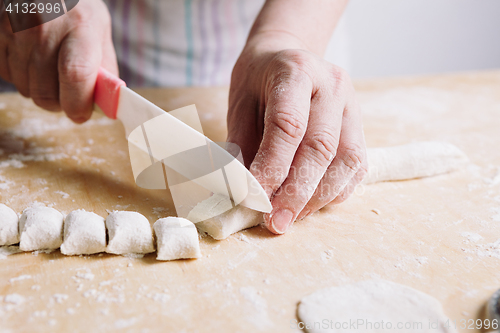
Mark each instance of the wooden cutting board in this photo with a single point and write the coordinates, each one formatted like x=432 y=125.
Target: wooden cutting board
x=436 y=235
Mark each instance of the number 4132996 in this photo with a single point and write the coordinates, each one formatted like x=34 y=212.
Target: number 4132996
x=33 y=8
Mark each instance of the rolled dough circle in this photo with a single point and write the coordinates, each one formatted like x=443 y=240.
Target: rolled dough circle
x=372 y=306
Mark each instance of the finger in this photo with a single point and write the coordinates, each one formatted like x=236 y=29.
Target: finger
x=18 y=55
x=109 y=61
x=4 y=67
x=5 y=39
x=319 y=201
x=350 y=188
x=43 y=75
x=347 y=169
x=314 y=155
x=285 y=123
x=244 y=127
x=79 y=60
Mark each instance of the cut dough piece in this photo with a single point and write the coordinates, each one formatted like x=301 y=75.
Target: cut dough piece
x=41 y=229
x=176 y=238
x=129 y=232
x=216 y=217
x=372 y=301
x=414 y=160
x=84 y=233
x=9 y=226
x=215 y=205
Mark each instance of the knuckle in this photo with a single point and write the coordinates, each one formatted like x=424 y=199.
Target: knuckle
x=339 y=74
x=289 y=125
x=352 y=156
x=340 y=80
x=294 y=64
x=322 y=146
x=75 y=70
x=363 y=170
x=80 y=16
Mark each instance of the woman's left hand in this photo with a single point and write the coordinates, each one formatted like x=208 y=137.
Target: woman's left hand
x=296 y=120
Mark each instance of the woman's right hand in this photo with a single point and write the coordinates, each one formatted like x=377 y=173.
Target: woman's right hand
x=56 y=63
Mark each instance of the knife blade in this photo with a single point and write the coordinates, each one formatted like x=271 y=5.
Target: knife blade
x=173 y=134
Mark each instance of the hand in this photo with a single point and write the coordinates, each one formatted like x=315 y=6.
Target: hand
x=56 y=63
x=297 y=122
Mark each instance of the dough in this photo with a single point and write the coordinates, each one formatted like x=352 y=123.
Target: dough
x=216 y=217
x=414 y=160
x=84 y=233
x=129 y=232
x=9 y=226
x=41 y=229
x=176 y=238
x=371 y=301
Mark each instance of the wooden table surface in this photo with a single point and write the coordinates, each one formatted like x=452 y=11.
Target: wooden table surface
x=438 y=235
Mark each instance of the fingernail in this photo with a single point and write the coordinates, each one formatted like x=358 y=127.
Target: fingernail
x=281 y=220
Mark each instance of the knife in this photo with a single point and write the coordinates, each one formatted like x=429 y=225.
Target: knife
x=174 y=139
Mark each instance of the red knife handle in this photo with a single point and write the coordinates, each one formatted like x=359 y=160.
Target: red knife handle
x=107 y=92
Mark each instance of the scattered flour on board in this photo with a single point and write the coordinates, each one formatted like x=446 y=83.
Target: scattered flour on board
x=326 y=255
x=258 y=316
x=14 y=299
x=159 y=211
x=404 y=262
x=471 y=237
x=86 y=276
x=37 y=154
x=116 y=295
x=159 y=297
x=30 y=127
x=125 y=323
x=60 y=298
x=97 y=161
x=5 y=183
x=12 y=163
x=244 y=238
x=241 y=258
x=489 y=250
x=20 y=278
x=63 y=194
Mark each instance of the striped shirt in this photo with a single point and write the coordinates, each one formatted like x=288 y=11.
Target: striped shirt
x=180 y=42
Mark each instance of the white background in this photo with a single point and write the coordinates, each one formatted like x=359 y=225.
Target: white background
x=411 y=37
